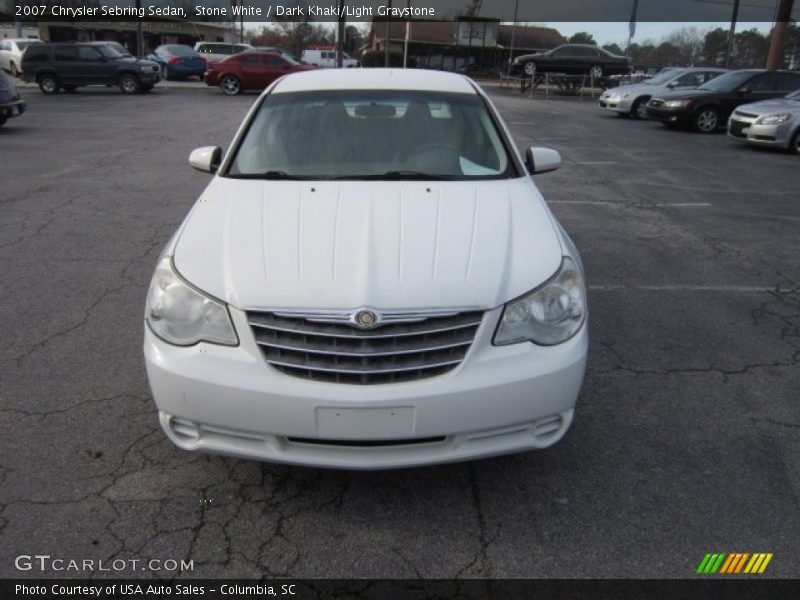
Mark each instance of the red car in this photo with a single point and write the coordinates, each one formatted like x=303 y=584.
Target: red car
x=251 y=70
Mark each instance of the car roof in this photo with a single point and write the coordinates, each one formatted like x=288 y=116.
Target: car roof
x=375 y=79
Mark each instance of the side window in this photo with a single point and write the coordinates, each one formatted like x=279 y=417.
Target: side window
x=690 y=80
x=203 y=49
x=563 y=52
x=66 y=53
x=709 y=75
x=762 y=83
x=4 y=46
x=273 y=61
x=248 y=60
x=87 y=53
x=788 y=82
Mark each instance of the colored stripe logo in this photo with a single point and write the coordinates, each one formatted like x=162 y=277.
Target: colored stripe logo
x=734 y=563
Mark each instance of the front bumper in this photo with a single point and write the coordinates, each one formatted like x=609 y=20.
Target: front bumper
x=745 y=130
x=498 y=400
x=679 y=116
x=12 y=109
x=616 y=104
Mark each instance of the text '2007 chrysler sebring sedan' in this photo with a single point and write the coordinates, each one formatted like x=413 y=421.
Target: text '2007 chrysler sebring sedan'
x=370 y=280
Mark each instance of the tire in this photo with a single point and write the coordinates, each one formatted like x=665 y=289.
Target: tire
x=129 y=84
x=706 y=120
x=49 y=84
x=13 y=69
x=69 y=89
x=2 y=120
x=230 y=85
x=596 y=72
x=639 y=109
x=529 y=68
x=794 y=145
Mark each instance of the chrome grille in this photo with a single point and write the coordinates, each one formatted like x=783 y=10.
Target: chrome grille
x=338 y=352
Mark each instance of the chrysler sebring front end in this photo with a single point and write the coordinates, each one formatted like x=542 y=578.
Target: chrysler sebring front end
x=370 y=280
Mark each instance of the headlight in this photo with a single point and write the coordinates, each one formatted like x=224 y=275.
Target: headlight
x=776 y=119
x=677 y=103
x=550 y=314
x=182 y=315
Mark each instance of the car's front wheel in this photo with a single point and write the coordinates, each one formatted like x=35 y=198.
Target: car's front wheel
x=13 y=68
x=596 y=72
x=639 y=110
x=794 y=145
x=706 y=120
x=129 y=84
x=49 y=84
x=230 y=85
x=530 y=68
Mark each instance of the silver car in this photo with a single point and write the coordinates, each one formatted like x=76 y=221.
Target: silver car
x=768 y=123
x=630 y=100
x=11 y=53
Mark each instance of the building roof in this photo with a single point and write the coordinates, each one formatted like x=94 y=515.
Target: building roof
x=529 y=38
x=444 y=32
x=374 y=79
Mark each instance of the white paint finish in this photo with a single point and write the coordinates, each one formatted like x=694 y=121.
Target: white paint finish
x=374 y=79
x=263 y=244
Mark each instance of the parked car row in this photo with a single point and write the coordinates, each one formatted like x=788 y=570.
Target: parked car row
x=759 y=106
x=572 y=59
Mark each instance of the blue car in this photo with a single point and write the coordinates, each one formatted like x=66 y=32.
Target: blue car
x=178 y=61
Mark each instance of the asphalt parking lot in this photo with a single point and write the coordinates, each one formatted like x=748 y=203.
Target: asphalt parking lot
x=686 y=438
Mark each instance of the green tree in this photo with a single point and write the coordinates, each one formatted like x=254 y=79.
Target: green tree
x=715 y=45
x=614 y=49
x=582 y=37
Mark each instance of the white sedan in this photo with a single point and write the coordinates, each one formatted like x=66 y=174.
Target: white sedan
x=370 y=280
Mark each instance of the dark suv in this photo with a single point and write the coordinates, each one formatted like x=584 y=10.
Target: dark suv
x=68 y=66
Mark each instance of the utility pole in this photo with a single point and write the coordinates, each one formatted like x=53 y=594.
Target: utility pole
x=731 y=33
x=408 y=35
x=513 y=37
x=139 y=32
x=340 y=29
x=386 y=46
x=777 y=42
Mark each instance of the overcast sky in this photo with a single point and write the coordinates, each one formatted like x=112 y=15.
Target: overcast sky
x=617 y=32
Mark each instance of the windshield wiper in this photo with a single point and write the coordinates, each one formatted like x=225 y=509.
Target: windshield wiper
x=268 y=175
x=399 y=175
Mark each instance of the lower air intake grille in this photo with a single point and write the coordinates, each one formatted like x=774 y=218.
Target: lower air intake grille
x=301 y=346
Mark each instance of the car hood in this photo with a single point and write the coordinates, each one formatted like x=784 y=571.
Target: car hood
x=130 y=60
x=771 y=106
x=687 y=94
x=274 y=244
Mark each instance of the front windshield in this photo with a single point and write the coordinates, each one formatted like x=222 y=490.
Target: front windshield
x=109 y=51
x=727 y=82
x=362 y=134
x=664 y=77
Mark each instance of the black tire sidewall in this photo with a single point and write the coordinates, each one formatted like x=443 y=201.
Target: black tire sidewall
x=696 y=117
x=635 y=108
x=56 y=84
x=124 y=77
x=236 y=79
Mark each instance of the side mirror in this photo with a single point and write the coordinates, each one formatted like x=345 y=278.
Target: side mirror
x=743 y=91
x=672 y=84
x=542 y=160
x=206 y=159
